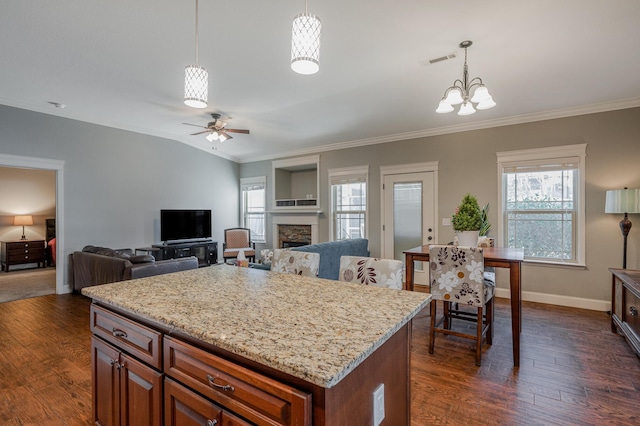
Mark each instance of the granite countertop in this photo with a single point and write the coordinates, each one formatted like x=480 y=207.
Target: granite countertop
x=314 y=329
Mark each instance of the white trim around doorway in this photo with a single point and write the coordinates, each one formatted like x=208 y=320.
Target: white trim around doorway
x=19 y=161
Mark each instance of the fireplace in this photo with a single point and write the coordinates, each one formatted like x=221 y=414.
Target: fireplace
x=294 y=230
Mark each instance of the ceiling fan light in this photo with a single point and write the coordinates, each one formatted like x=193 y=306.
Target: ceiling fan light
x=467 y=109
x=454 y=97
x=222 y=137
x=486 y=104
x=213 y=136
x=196 y=86
x=481 y=94
x=305 y=44
x=444 y=107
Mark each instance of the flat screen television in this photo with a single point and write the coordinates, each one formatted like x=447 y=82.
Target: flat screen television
x=185 y=224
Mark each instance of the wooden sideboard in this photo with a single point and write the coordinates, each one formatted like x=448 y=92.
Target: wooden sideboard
x=625 y=303
x=21 y=252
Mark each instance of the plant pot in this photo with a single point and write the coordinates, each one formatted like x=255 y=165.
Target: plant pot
x=468 y=238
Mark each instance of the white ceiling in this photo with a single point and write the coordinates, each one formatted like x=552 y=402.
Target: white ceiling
x=120 y=63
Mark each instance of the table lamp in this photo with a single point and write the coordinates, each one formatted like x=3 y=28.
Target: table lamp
x=23 y=220
x=623 y=201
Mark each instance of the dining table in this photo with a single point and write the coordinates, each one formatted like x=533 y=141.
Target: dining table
x=499 y=257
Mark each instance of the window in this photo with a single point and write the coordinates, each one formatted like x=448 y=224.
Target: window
x=542 y=203
x=348 y=202
x=254 y=206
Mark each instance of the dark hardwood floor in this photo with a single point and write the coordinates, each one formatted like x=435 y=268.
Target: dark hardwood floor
x=574 y=371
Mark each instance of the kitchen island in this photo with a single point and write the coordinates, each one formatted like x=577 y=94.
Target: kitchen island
x=238 y=346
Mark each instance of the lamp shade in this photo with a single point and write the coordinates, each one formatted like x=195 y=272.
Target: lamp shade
x=622 y=201
x=305 y=44
x=467 y=109
x=444 y=107
x=23 y=220
x=196 y=86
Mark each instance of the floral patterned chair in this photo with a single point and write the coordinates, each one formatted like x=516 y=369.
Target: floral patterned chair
x=295 y=262
x=371 y=271
x=236 y=239
x=456 y=276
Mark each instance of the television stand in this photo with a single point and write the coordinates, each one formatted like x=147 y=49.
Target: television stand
x=206 y=251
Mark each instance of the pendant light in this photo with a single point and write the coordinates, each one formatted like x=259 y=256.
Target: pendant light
x=196 y=80
x=305 y=43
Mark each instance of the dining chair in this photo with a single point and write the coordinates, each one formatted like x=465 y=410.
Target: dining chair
x=456 y=276
x=236 y=239
x=371 y=271
x=295 y=262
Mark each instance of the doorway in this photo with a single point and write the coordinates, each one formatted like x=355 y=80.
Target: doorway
x=57 y=166
x=409 y=206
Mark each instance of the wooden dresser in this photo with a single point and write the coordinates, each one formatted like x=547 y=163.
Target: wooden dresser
x=21 y=252
x=625 y=303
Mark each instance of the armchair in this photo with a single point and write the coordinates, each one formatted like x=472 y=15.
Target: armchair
x=236 y=239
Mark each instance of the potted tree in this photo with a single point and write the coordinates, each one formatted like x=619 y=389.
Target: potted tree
x=467 y=221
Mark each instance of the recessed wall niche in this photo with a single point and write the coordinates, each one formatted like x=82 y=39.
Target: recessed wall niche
x=296 y=183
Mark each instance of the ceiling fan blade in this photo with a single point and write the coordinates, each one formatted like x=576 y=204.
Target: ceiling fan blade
x=225 y=135
x=199 y=133
x=246 y=132
x=197 y=125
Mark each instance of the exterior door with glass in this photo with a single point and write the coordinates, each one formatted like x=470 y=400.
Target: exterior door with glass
x=409 y=215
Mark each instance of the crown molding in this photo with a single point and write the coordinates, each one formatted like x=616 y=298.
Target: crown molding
x=478 y=125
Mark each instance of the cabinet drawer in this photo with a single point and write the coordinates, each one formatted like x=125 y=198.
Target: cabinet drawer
x=631 y=314
x=25 y=257
x=253 y=396
x=138 y=340
x=184 y=407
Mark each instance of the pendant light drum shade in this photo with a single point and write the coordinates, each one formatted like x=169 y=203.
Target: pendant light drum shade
x=305 y=44
x=195 y=86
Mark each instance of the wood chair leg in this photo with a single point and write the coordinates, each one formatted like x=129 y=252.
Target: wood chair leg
x=432 y=332
x=490 y=307
x=447 y=315
x=479 y=337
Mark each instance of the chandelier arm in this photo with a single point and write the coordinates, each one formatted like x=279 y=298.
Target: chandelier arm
x=456 y=85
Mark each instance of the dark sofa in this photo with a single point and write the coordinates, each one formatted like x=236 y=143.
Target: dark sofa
x=101 y=265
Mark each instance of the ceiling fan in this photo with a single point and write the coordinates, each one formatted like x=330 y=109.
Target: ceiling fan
x=217 y=130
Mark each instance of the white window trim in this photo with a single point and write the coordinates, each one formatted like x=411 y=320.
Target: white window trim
x=253 y=181
x=540 y=155
x=348 y=171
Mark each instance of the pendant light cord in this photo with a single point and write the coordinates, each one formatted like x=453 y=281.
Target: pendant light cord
x=196 y=32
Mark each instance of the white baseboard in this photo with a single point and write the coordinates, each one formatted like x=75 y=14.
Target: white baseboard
x=554 y=299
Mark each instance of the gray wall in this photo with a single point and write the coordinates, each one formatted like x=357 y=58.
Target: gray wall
x=467 y=163
x=116 y=182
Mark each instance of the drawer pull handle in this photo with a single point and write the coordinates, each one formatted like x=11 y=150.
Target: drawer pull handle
x=118 y=333
x=633 y=311
x=211 y=379
x=212 y=422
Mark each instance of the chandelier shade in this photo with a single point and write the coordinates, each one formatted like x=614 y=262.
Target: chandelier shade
x=305 y=43
x=196 y=80
x=461 y=92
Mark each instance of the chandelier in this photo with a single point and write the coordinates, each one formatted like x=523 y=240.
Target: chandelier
x=196 y=80
x=460 y=92
x=305 y=43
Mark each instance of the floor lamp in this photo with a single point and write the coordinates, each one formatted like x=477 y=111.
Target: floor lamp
x=623 y=201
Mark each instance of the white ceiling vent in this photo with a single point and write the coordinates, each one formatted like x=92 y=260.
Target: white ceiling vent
x=428 y=62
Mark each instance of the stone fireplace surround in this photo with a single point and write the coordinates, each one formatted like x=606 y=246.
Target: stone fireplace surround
x=294 y=229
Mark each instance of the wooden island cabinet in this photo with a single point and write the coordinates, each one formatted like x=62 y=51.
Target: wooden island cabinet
x=223 y=346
